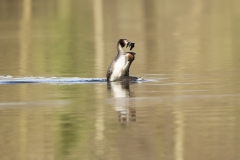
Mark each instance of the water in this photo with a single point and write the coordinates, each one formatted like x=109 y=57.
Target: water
x=72 y=80
x=188 y=107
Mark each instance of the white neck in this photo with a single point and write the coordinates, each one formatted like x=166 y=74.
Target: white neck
x=119 y=48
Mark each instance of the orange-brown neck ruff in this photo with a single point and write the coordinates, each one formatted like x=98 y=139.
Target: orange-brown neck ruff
x=130 y=56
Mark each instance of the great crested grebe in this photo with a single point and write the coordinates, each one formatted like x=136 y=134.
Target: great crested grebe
x=119 y=68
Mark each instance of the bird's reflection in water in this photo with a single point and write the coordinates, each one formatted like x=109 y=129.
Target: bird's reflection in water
x=120 y=91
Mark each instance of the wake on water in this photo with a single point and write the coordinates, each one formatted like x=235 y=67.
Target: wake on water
x=16 y=80
x=12 y=80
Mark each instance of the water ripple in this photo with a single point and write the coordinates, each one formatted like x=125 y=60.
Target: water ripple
x=31 y=79
x=11 y=80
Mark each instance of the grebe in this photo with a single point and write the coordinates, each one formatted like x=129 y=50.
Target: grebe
x=119 y=68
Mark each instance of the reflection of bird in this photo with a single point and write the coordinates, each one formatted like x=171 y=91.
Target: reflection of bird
x=127 y=115
x=122 y=104
x=119 y=68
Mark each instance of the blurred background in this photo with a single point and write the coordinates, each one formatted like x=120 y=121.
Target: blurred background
x=78 y=38
x=188 y=50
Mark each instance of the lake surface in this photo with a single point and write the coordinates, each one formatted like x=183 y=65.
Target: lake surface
x=188 y=109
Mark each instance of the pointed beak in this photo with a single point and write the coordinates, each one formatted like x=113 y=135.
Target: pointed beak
x=131 y=45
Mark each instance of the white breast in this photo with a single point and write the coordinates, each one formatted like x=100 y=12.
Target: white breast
x=117 y=68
